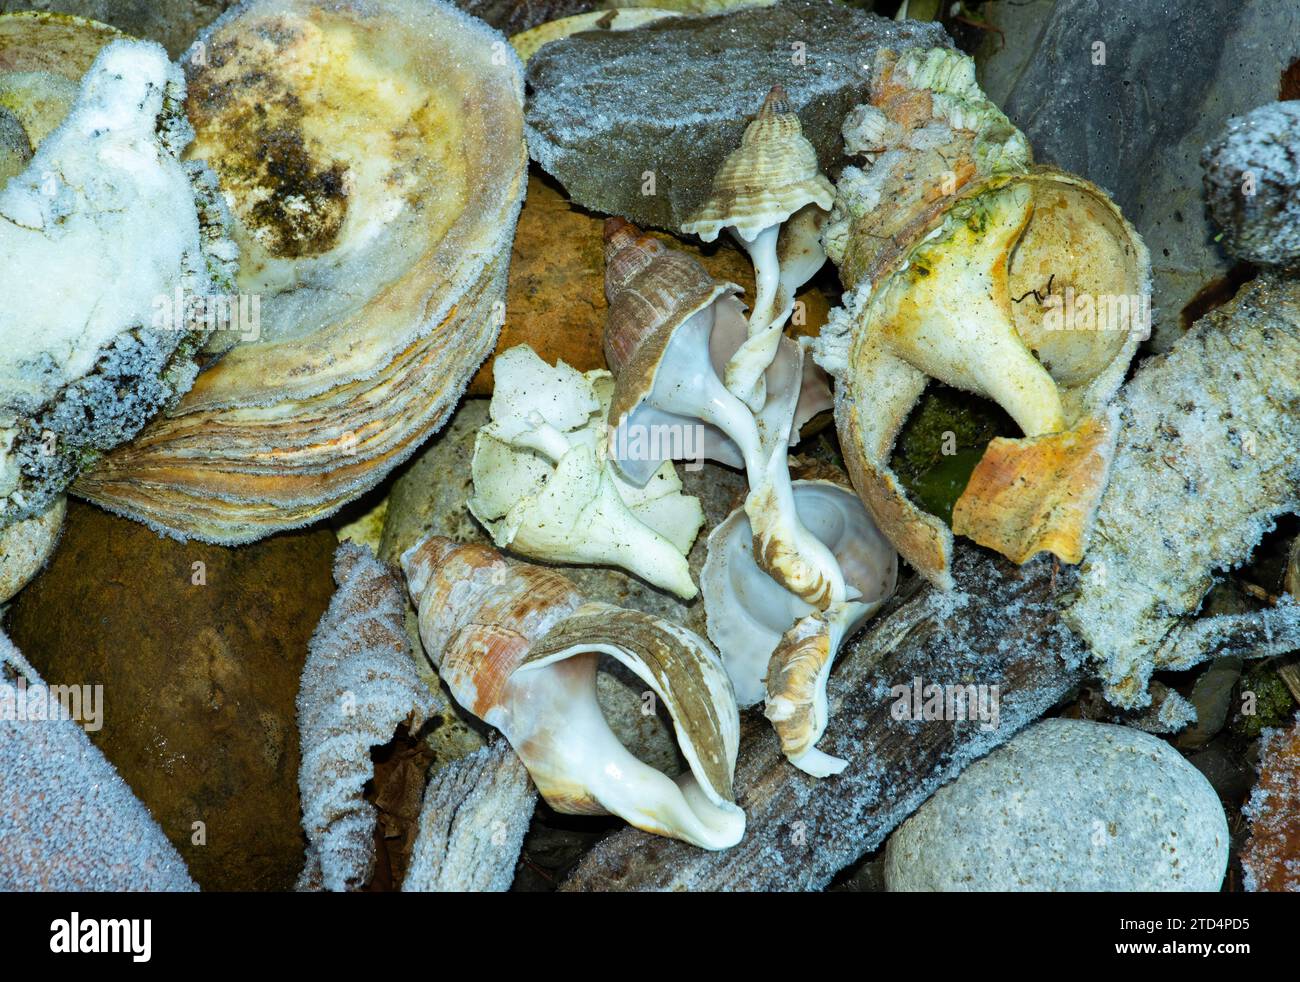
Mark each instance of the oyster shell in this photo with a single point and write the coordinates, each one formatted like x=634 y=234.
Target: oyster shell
x=963 y=262
x=372 y=154
x=102 y=220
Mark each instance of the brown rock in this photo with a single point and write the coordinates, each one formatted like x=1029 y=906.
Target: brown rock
x=199 y=678
x=555 y=300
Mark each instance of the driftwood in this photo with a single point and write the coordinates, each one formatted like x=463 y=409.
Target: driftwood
x=999 y=627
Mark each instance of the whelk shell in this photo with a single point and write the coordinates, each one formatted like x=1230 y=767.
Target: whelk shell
x=519 y=648
x=772 y=176
x=960 y=260
x=373 y=156
x=667 y=318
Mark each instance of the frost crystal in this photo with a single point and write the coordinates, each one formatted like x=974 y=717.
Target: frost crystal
x=358 y=685
x=476 y=811
x=67 y=819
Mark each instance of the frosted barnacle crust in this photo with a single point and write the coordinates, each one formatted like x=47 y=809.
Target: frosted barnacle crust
x=103 y=229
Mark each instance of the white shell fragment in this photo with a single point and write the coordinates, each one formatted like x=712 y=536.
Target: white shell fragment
x=543 y=486
x=748 y=611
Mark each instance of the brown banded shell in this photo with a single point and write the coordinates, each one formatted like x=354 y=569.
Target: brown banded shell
x=770 y=176
x=518 y=648
x=373 y=156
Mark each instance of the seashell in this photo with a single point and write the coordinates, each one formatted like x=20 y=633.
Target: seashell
x=796 y=680
x=749 y=611
x=667 y=321
x=960 y=260
x=544 y=489
x=375 y=204
x=518 y=647
x=358 y=686
x=101 y=200
x=772 y=176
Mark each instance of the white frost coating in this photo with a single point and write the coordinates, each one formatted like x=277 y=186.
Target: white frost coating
x=358 y=685
x=472 y=824
x=544 y=487
x=67 y=819
x=94 y=229
x=1208 y=456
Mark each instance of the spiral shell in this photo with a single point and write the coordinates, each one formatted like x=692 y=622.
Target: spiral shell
x=769 y=177
x=517 y=647
x=958 y=257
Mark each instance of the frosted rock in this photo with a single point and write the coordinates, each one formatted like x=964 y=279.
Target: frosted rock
x=1252 y=184
x=1067 y=805
x=67 y=819
x=671 y=99
x=1208 y=457
x=476 y=811
x=358 y=685
x=102 y=225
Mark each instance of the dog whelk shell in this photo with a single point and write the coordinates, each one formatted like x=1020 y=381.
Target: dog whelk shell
x=770 y=177
x=748 y=611
x=964 y=263
x=102 y=220
x=544 y=489
x=668 y=321
x=373 y=156
x=519 y=648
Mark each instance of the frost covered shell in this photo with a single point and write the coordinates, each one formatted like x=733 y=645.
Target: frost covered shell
x=519 y=648
x=67 y=819
x=770 y=176
x=103 y=224
x=358 y=685
x=373 y=157
x=964 y=263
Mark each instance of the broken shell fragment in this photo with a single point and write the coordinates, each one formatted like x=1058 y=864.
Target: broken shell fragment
x=543 y=486
x=373 y=157
x=519 y=648
x=770 y=177
x=667 y=319
x=749 y=611
x=796 y=684
x=962 y=262
x=101 y=222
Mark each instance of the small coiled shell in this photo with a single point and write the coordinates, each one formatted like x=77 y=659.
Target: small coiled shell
x=770 y=176
x=517 y=647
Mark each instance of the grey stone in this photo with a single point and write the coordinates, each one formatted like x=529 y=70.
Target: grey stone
x=1173 y=74
x=1067 y=805
x=1252 y=183
x=672 y=98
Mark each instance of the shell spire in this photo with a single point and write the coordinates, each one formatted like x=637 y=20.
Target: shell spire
x=771 y=175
